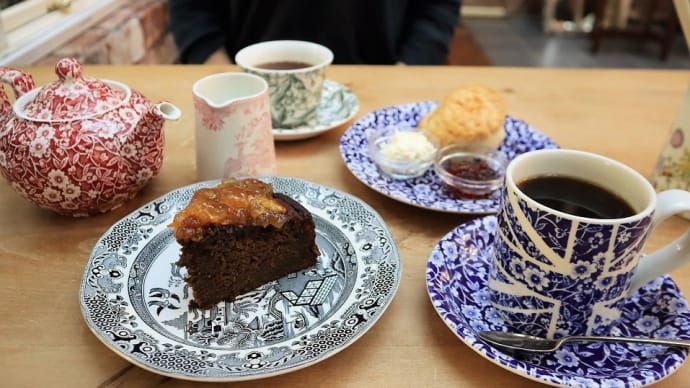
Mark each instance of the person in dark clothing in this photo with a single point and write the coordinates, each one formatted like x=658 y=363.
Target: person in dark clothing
x=416 y=32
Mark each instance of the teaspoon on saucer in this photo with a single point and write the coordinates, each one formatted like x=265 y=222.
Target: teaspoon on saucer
x=516 y=341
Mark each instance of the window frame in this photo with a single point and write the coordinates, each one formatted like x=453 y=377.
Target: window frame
x=29 y=31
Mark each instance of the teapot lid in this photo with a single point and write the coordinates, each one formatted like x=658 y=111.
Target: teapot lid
x=73 y=96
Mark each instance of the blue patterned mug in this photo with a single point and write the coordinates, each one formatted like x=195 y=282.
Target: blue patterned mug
x=295 y=71
x=554 y=273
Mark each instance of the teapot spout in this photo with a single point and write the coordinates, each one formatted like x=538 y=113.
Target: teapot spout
x=151 y=122
x=19 y=81
x=164 y=110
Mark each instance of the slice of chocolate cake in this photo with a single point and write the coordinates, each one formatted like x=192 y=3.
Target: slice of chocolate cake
x=240 y=235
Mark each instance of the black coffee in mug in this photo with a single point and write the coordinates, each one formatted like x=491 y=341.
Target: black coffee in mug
x=575 y=196
x=284 y=65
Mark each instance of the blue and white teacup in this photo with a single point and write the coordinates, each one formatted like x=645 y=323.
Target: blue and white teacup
x=295 y=71
x=554 y=273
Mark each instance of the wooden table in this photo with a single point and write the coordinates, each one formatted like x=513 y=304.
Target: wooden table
x=624 y=114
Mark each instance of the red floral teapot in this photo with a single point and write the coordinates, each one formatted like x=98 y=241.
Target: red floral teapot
x=79 y=146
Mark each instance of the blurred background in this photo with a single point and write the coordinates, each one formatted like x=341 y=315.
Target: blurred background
x=534 y=33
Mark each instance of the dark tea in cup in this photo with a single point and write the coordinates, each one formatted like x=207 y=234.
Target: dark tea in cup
x=576 y=196
x=283 y=65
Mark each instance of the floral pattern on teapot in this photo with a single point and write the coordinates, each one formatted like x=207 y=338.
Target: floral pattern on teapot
x=79 y=146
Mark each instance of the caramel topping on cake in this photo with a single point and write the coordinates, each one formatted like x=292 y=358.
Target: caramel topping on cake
x=236 y=202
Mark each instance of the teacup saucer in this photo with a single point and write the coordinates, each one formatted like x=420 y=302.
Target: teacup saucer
x=338 y=105
x=456 y=278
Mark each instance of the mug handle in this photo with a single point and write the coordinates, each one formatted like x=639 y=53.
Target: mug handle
x=673 y=255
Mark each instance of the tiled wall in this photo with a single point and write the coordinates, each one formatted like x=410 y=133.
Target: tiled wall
x=134 y=33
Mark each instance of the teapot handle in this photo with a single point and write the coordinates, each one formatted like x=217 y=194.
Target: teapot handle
x=673 y=255
x=20 y=82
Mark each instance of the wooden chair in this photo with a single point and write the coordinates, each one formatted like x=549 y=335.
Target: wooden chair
x=645 y=27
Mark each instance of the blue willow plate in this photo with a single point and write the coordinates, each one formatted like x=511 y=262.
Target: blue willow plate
x=426 y=191
x=338 y=104
x=456 y=277
x=133 y=296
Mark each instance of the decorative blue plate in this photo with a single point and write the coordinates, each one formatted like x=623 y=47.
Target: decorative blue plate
x=456 y=277
x=135 y=300
x=426 y=191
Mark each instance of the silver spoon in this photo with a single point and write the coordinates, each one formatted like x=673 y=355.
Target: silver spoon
x=516 y=341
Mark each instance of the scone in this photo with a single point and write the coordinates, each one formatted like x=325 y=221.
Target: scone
x=471 y=115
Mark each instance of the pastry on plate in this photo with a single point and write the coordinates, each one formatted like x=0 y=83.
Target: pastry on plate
x=472 y=116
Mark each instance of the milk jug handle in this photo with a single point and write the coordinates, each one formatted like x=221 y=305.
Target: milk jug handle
x=673 y=255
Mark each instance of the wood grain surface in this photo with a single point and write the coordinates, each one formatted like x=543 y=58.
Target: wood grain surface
x=44 y=341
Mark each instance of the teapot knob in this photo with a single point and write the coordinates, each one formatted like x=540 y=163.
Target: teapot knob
x=68 y=69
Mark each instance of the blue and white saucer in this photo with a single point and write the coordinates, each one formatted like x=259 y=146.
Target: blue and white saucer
x=426 y=191
x=456 y=277
x=338 y=105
